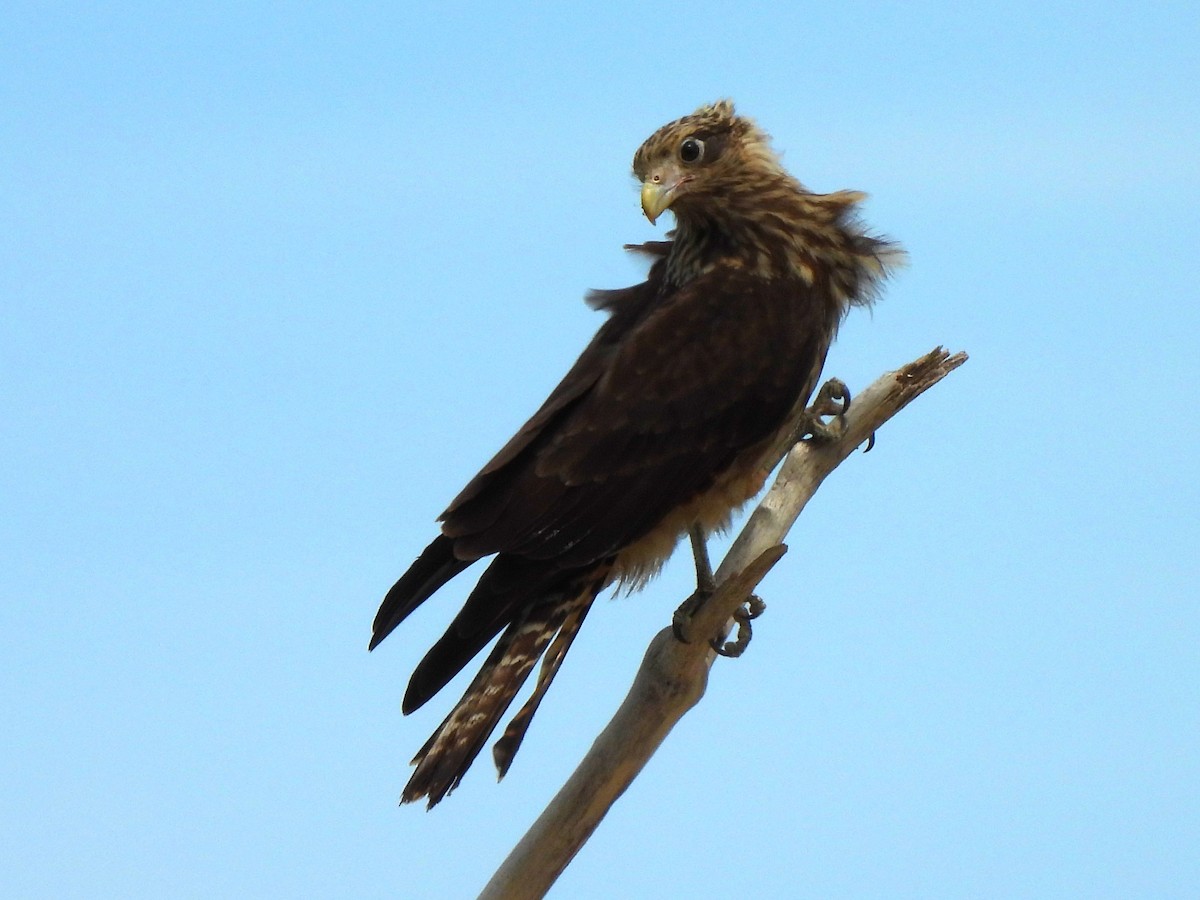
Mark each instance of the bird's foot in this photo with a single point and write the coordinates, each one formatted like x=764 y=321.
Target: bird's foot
x=681 y=623
x=825 y=420
x=751 y=609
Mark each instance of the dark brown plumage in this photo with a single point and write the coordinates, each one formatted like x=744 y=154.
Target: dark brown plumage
x=666 y=420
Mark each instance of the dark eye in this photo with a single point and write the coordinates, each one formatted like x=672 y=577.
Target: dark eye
x=691 y=150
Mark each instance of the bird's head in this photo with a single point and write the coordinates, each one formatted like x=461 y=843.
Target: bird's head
x=702 y=161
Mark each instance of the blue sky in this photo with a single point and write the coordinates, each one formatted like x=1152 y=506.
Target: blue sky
x=277 y=280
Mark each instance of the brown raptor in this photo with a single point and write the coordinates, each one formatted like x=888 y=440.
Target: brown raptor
x=665 y=422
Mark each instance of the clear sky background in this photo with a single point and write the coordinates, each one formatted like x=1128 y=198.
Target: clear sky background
x=276 y=280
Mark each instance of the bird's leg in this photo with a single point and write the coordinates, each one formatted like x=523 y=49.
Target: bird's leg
x=752 y=609
x=704 y=573
x=705 y=585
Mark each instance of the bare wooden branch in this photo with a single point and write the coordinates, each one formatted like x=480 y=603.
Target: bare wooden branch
x=673 y=675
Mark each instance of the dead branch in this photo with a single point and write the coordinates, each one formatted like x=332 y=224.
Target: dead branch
x=673 y=675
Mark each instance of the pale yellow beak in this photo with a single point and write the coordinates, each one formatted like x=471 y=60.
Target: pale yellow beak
x=656 y=198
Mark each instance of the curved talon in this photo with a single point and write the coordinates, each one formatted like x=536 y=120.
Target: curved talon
x=735 y=648
x=870 y=443
x=845 y=398
x=752 y=609
x=833 y=400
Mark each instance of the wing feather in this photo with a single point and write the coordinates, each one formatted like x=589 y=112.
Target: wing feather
x=704 y=374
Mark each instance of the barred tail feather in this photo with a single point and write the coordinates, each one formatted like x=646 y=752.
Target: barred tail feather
x=514 y=733
x=449 y=752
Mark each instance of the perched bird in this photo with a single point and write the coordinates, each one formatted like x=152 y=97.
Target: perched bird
x=666 y=422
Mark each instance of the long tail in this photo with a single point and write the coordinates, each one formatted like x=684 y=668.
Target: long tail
x=506 y=748
x=449 y=752
x=436 y=565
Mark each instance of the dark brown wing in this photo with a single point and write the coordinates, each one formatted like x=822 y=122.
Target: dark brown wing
x=668 y=397
x=443 y=559
x=626 y=306
x=650 y=416
x=673 y=388
x=672 y=395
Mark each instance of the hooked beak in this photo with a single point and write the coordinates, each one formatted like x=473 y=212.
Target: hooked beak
x=655 y=199
x=658 y=193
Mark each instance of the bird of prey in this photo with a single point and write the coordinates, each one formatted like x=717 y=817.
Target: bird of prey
x=665 y=423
